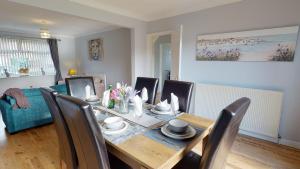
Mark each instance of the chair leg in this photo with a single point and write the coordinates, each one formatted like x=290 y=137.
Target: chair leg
x=204 y=142
x=63 y=164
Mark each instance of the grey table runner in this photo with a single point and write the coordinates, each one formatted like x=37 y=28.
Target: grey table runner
x=135 y=129
x=148 y=119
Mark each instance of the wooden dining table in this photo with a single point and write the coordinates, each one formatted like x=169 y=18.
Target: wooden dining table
x=141 y=149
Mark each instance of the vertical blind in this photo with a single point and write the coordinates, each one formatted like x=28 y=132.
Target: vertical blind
x=17 y=53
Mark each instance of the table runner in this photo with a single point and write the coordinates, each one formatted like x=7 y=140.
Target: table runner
x=148 y=119
x=136 y=127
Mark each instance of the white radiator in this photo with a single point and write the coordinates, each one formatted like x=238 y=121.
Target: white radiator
x=262 y=118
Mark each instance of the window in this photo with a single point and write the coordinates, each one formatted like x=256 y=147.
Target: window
x=25 y=56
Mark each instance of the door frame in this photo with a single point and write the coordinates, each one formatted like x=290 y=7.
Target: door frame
x=152 y=37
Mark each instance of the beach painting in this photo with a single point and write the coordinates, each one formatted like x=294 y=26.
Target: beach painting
x=276 y=44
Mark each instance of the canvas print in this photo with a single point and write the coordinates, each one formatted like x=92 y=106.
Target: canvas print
x=277 y=44
x=96 y=49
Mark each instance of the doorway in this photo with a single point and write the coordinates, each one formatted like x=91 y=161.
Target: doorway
x=162 y=59
x=164 y=52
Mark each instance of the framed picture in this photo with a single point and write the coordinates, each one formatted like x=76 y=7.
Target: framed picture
x=96 y=50
x=276 y=44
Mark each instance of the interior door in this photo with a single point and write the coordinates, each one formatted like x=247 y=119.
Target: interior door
x=176 y=44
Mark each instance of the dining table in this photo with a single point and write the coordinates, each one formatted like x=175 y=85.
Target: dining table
x=143 y=146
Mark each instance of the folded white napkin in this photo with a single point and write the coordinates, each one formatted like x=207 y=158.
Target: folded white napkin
x=105 y=99
x=129 y=89
x=174 y=103
x=138 y=106
x=163 y=104
x=130 y=93
x=144 y=94
x=118 y=85
x=87 y=91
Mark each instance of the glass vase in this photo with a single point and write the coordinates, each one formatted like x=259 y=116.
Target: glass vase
x=123 y=106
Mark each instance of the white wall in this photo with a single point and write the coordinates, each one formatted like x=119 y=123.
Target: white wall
x=246 y=15
x=116 y=63
x=66 y=49
x=67 y=55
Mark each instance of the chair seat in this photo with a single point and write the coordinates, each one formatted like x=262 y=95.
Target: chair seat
x=190 y=161
x=116 y=163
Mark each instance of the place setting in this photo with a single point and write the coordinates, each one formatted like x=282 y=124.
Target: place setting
x=116 y=129
x=90 y=98
x=175 y=133
x=114 y=125
x=164 y=108
x=178 y=129
x=93 y=99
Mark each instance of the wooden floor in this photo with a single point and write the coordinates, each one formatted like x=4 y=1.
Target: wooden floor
x=38 y=149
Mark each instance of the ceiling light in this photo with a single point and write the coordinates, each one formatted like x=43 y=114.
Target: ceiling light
x=45 y=33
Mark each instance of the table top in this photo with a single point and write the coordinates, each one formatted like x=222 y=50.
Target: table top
x=146 y=147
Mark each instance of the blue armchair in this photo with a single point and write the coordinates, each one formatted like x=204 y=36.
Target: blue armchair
x=37 y=114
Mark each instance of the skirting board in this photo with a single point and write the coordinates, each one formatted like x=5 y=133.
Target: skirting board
x=290 y=143
x=285 y=142
x=259 y=136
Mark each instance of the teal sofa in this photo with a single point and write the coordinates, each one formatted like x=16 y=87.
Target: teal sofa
x=37 y=114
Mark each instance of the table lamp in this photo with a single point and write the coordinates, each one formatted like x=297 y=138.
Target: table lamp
x=72 y=72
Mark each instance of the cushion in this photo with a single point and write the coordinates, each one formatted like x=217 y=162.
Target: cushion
x=31 y=92
x=10 y=100
x=61 y=88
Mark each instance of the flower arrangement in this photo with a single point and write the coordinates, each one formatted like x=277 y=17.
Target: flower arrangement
x=123 y=92
x=120 y=93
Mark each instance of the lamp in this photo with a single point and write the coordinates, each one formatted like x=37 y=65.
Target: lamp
x=45 y=34
x=72 y=72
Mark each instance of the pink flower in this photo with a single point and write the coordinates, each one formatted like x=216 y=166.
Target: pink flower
x=114 y=94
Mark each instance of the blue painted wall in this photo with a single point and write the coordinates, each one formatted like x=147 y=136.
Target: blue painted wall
x=246 y=15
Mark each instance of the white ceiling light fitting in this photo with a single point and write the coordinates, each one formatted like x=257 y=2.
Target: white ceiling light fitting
x=45 y=34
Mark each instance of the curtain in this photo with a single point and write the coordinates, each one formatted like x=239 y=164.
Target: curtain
x=24 y=55
x=55 y=57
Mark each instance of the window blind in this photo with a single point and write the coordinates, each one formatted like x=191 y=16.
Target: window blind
x=25 y=56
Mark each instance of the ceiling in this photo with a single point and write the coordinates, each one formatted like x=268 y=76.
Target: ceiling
x=16 y=17
x=149 y=10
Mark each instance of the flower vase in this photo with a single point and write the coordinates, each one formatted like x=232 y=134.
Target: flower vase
x=123 y=106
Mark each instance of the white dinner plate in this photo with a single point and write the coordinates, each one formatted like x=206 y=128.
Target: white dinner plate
x=92 y=99
x=190 y=132
x=112 y=132
x=94 y=102
x=153 y=110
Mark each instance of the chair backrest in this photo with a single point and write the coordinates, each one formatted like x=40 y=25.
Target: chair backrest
x=76 y=86
x=183 y=90
x=151 y=84
x=67 y=149
x=223 y=134
x=86 y=134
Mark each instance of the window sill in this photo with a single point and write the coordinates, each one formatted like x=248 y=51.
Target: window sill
x=22 y=76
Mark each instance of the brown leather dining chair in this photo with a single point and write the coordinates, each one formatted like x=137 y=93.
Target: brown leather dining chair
x=220 y=140
x=151 y=84
x=66 y=146
x=86 y=134
x=183 y=90
x=76 y=86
